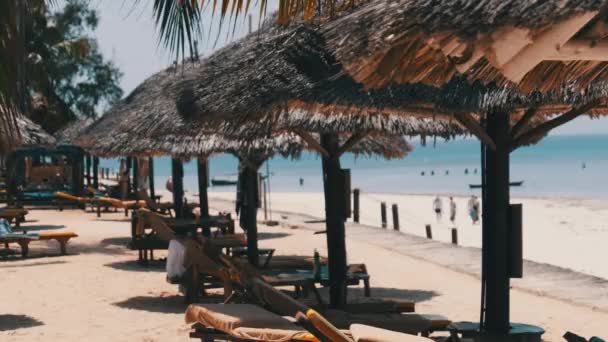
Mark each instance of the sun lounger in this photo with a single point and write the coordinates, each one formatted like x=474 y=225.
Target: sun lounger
x=158 y=207
x=16 y=215
x=120 y=204
x=242 y=323
x=248 y=323
x=23 y=240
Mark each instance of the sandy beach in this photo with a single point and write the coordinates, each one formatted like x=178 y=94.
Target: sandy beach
x=98 y=292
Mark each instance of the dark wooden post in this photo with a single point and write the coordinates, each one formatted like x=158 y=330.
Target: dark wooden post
x=202 y=186
x=334 y=220
x=177 y=171
x=129 y=162
x=87 y=167
x=495 y=227
x=455 y=236
x=383 y=214
x=96 y=172
x=203 y=200
x=151 y=178
x=429 y=232
x=249 y=203
x=356 y=194
x=395 y=217
x=135 y=175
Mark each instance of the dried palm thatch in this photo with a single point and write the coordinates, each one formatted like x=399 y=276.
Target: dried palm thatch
x=72 y=131
x=534 y=45
x=28 y=134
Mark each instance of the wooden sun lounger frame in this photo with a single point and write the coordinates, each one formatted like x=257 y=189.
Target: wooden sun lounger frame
x=14 y=214
x=24 y=242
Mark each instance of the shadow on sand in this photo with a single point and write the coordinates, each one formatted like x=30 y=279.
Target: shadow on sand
x=36 y=228
x=14 y=322
x=416 y=296
x=116 y=241
x=135 y=266
x=162 y=304
x=32 y=264
x=270 y=236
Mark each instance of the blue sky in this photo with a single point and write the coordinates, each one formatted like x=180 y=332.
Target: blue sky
x=127 y=35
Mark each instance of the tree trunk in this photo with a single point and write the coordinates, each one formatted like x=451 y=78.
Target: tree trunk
x=96 y=172
x=151 y=178
x=202 y=192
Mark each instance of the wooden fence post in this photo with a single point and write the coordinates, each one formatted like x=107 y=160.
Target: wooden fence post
x=455 y=236
x=395 y=217
x=429 y=232
x=383 y=214
x=356 y=193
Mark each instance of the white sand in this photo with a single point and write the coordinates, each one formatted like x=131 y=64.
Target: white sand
x=98 y=293
x=563 y=232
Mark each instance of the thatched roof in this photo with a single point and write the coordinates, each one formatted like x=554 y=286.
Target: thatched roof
x=531 y=44
x=29 y=134
x=281 y=69
x=73 y=130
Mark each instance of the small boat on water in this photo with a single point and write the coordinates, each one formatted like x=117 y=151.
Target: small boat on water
x=228 y=180
x=478 y=186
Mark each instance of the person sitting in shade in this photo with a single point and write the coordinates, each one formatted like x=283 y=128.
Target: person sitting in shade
x=437 y=207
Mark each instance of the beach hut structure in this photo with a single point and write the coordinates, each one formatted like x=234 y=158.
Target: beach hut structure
x=554 y=50
x=65 y=137
x=37 y=167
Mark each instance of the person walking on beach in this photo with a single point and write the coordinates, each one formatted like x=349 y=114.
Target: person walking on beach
x=169 y=184
x=437 y=207
x=452 y=210
x=473 y=207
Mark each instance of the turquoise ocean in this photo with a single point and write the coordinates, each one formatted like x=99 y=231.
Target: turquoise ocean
x=560 y=165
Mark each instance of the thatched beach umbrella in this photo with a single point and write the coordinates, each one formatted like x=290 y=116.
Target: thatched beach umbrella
x=29 y=133
x=250 y=152
x=284 y=79
x=552 y=52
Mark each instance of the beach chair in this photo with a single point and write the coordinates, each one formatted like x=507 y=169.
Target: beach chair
x=158 y=207
x=13 y=215
x=280 y=303
x=23 y=240
x=249 y=323
x=119 y=204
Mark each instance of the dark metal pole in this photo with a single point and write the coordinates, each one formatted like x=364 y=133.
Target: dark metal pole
x=177 y=170
x=202 y=186
x=151 y=178
x=334 y=220
x=96 y=172
x=495 y=227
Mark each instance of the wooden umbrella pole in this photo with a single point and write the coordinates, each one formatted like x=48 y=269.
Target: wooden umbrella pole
x=202 y=167
x=151 y=178
x=96 y=172
x=250 y=211
x=87 y=162
x=334 y=220
x=135 y=175
x=177 y=170
x=495 y=227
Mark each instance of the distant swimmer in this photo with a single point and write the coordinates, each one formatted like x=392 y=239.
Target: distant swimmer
x=584 y=165
x=466 y=171
x=447 y=172
x=422 y=173
x=475 y=171
x=301 y=181
x=433 y=173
